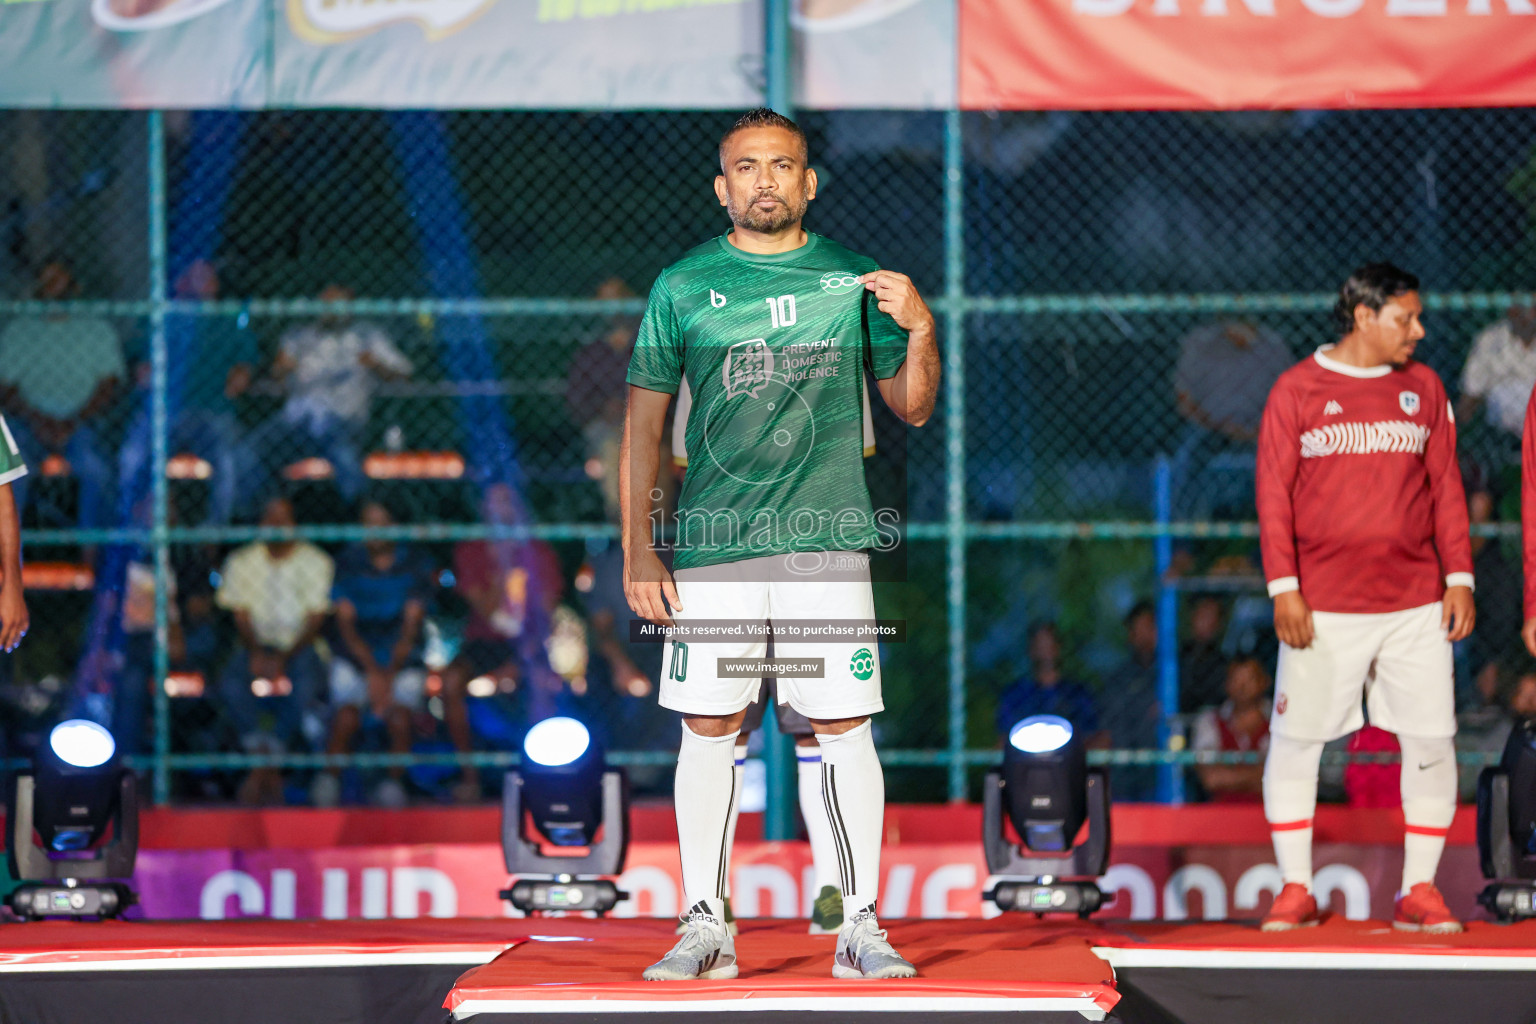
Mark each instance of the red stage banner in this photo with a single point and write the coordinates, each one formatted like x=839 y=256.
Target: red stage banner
x=1175 y=882
x=1209 y=861
x=1235 y=54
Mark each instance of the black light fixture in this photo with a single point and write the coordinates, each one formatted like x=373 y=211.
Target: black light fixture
x=1048 y=792
x=82 y=804
x=1506 y=827
x=573 y=800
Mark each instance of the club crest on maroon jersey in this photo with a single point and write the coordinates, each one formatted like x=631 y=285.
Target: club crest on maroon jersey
x=1409 y=400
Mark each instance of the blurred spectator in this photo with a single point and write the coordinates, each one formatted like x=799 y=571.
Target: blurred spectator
x=1483 y=726
x=510 y=587
x=331 y=369
x=595 y=391
x=1132 y=685
x=1202 y=665
x=1222 y=379
x=1500 y=586
x=1501 y=371
x=377 y=678
x=1044 y=690
x=633 y=668
x=1224 y=374
x=58 y=374
x=205 y=424
x=1372 y=784
x=279 y=593
x=1131 y=689
x=192 y=644
x=1240 y=724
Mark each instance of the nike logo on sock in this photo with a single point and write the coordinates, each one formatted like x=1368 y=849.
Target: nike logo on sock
x=1426 y=767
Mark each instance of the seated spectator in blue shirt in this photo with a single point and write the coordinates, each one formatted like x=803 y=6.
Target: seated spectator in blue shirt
x=380 y=599
x=1045 y=691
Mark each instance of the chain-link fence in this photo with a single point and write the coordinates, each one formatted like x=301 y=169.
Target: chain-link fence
x=389 y=349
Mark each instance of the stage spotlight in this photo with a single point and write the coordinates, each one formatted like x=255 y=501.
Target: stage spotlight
x=573 y=800
x=1048 y=792
x=83 y=804
x=1506 y=827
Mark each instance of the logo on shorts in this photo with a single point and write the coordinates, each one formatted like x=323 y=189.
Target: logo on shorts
x=1280 y=705
x=839 y=283
x=1409 y=400
x=863 y=664
x=748 y=367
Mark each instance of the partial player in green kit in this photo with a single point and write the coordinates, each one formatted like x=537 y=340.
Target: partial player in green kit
x=14 y=618
x=776 y=331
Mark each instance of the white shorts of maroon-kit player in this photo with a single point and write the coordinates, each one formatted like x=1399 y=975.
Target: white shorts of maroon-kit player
x=1399 y=661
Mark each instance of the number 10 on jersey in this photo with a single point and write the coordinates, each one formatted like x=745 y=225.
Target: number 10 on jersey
x=782 y=310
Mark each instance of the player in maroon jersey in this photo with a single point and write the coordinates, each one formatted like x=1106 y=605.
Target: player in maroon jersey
x=1363 y=526
x=1528 y=520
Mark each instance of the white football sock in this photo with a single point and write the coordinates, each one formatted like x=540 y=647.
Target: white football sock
x=818 y=828
x=1429 y=804
x=853 y=792
x=741 y=775
x=1290 y=800
x=705 y=794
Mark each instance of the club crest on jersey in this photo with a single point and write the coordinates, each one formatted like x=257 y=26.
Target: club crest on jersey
x=838 y=283
x=716 y=299
x=748 y=366
x=1409 y=400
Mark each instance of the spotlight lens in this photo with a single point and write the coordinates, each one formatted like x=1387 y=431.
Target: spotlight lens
x=81 y=743
x=556 y=741
x=1040 y=734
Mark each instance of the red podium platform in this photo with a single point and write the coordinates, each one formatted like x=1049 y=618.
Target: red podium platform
x=965 y=969
x=1023 y=969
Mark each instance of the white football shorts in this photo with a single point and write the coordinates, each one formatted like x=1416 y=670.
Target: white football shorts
x=1400 y=661
x=817 y=586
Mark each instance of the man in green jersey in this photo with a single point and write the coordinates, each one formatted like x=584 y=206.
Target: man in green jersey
x=775 y=330
x=14 y=619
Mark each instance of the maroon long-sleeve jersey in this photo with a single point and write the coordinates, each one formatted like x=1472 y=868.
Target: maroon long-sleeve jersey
x=1359 y=494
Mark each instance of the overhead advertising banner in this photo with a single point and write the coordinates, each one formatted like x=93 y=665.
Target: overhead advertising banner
x=133 y=53
x=1234 y=54
x=476 y=54
x=467 y=54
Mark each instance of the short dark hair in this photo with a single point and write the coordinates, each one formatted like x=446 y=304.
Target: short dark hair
x=1140 y=608
x=1372 y=286
x=763 y=117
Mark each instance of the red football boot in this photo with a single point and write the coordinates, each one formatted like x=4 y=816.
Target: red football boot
x=1293 y=908
x=1424 y=910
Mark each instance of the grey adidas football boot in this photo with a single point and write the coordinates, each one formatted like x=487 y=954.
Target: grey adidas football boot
x=706 y=950
x=863 y=952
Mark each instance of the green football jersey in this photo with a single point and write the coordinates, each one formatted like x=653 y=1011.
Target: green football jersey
x=775 y=350
x=11 y=465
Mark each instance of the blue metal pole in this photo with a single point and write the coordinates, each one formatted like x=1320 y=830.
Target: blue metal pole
x=159 y=428
x=778 y=749
x=778 y=58
x=954 y=433
x=1170 y=778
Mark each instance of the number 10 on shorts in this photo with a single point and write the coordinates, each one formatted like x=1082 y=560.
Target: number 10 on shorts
x=678 y=669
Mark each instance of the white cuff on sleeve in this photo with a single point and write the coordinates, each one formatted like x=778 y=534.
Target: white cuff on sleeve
x=1460 y=579
x=1283 y=585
